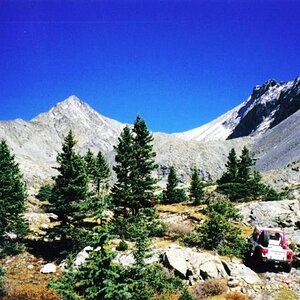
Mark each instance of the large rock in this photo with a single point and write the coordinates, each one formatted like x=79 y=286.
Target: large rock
x=241 y=271
x=284 y=214
x=185 y=262
x=175 y=258
x=206 y=265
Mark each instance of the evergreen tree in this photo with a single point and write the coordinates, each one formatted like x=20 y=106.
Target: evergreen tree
x=90 y=161
x=231 y=173
x=172 y=194
x=196 y=188
x=142 y=179
x=122 y=194
x=98 y=170
x=134 y=165
x=103 y=172
x=218 y=233
x=244 y=165
x=12 y=199
x=69 y=190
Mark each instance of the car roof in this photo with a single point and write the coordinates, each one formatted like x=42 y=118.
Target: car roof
x=270 y=229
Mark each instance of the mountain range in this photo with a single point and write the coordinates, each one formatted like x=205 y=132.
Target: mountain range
x=268 y=122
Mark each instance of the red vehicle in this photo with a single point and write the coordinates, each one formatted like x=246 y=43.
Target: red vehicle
x=269 y=245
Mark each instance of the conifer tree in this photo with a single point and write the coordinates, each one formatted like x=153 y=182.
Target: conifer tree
x=122 y=194
x=196 y=188
x=231 y=173
x=103 y=172
x=90 y=161
x=173 y=194
x=143 y=181
x=69 y=190
x=244 y=165
x=98 y=170
x=12 y=197
x=134 y=165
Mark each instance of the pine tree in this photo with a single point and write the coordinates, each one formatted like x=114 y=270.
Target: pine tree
x=134 y=165
x=69 y=190
x=218 y=233
x=172 y=194
x=143 y=181
x=196 y=188
x=231 y=173
x=103 y=172
x=98 y=170
x=90 y=161
x=244 y=165
x=12 y=197
x=122 y=194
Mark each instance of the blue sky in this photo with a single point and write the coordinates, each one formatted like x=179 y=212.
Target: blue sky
x=179 y=64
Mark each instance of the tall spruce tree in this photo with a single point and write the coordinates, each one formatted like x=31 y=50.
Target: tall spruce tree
x=196 y=188
x=244 y=165
x=144 y=164
x=232 y=167
x=134 y=165
x=12 y=198
x=122 y=194
x=69 y=190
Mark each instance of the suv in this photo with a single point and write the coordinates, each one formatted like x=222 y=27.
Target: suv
x=269 y=245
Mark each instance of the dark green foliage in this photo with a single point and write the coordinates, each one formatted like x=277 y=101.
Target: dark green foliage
x=45 y=192
x=123 y=246
x=99 y=278
x=143 y=181
x=196 y=188
x=244 y=165
x=134 y=165
x=12 y=201
x=173 y=194
x=122 y=193
x=241 y=183
x=98 y=171
x=218 y=233
x=126 y=227
x=231 y=173
x=69 y=191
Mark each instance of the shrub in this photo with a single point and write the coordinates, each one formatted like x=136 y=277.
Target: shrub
x=213 y=287
x=235 y=295
x=32 y=292
x=123 y=246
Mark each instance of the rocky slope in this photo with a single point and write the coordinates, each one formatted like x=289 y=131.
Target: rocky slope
x=267 y=106
x=268 y=121
x=37 y=142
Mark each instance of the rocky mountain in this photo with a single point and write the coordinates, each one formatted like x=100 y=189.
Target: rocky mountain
x=268 y=123
x=37 y=142
x=267 y=106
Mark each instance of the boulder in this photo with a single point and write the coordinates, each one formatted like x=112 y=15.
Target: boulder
x=241 y=271
x=284 y=213
x=48 y=268
x=186 y=262
x=206 y=265
x=175 y=258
